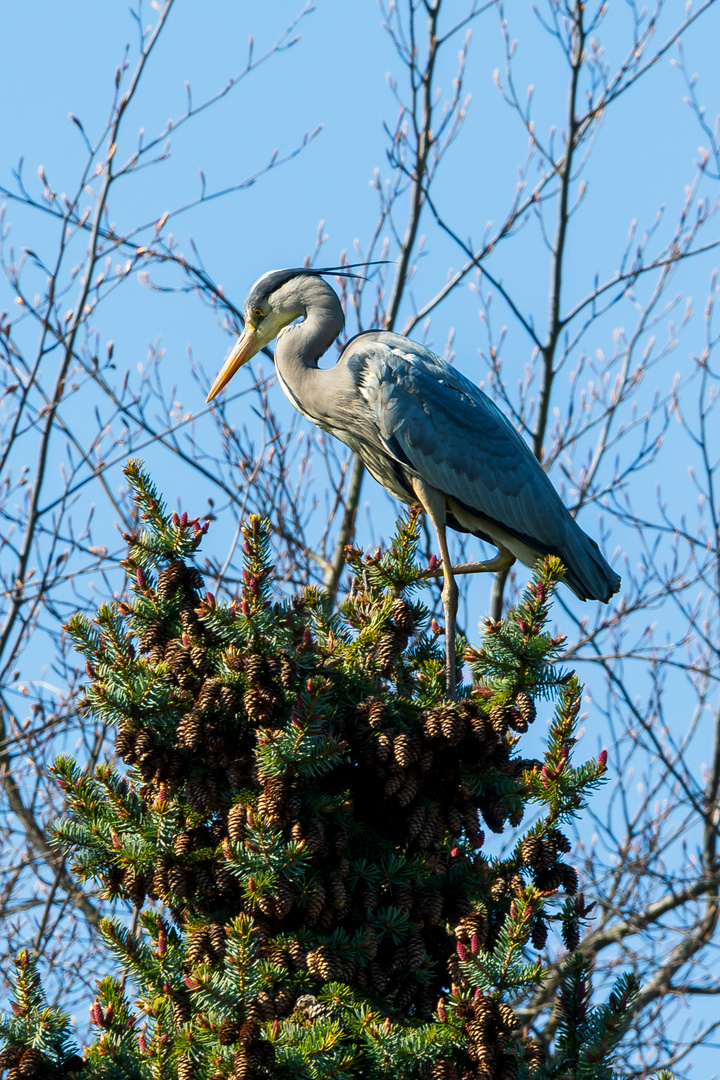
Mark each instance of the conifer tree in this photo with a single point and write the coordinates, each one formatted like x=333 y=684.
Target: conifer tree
x=298 y=817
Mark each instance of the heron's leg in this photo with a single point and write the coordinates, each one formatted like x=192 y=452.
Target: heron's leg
x=433 y=503
x=501 y=561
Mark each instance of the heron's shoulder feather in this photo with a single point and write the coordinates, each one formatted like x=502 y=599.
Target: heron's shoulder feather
x=408 y=385
x=444 y=429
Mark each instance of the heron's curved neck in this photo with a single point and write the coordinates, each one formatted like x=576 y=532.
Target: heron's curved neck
x=300 y=346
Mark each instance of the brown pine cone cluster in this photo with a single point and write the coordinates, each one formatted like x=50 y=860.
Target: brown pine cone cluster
x=422 y=782
x=490 y=1025
x=424 y=772
x=28 y=1063
x=540 y=854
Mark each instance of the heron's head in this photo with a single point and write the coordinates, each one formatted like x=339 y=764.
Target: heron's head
x=276 y=299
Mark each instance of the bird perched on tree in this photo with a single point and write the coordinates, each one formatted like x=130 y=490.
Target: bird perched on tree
x=424 y=431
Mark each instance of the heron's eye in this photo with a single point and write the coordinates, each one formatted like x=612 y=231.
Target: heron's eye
x=258 y=313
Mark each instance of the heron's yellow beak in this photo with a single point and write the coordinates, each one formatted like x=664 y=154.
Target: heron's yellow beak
x=243 y=350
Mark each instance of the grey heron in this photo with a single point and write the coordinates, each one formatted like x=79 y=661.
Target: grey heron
x=423 y=430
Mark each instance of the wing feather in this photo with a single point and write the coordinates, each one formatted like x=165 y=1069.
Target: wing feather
x=448 y=432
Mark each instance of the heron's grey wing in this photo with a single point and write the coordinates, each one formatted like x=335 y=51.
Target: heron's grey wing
x=446 y=431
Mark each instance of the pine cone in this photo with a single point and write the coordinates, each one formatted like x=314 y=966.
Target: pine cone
x=550 y=879
x=194 y=579
x=224 y=880
x=559 y=840
x=481 y=727
x=249 y=1033
x=199 y=945
x=274 y=797
x=570 y=879
x=170 y=579
x=237 y=822
x=534 y=1055
x=471 y=822
x=298 y=955
x=515 y=720
x=31 y=1062
x=160 y=880
x=125 y=743
x=309 y=1006
x=200 y=659
x=314 y=836
x=228 y=1032
x=10 y=1057
x=181 y=1010
x=325 y=964
x=539 y=934
x=430 y=906
x=253 y=668
x=416 y=821
x=152 y=635
x=338 y=896
x=265 y=1006
x=241 y=1065
x=204 y=878
x=472 y=926
x=183 y=844
x=405 y=996
x=390 y=643
x=531 y=851
x=453 y=726
x=370 y=897
x=525 y=706
x=176 y=655
x=383 y=747
x=394 y=783
x=185 y=1069
x=265 y=903
x=288 y=673
x=415 y=951
x=377 y=712
x=285 y=1001
x=402 y=615
x=406 y=749
x=135 y=887
x=494 y=814
x=144 y=745
x=190 y=623
x=508 y=1020
x=209 y=694
x=178 y=881
x=410 y=789
x=228 y=701
x=431 y=724
x=376 y=978
x=238 y=772
x=216 y=933
x=258 y=705
x=571 y=935
x=283 y=897
x=484 y=1009
x=315 y=903
x=516 y=885
x=191 y=731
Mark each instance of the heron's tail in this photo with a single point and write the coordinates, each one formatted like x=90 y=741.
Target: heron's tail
x=588 y=574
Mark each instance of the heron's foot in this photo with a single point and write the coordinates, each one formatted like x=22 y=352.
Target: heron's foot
x=502 y=561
